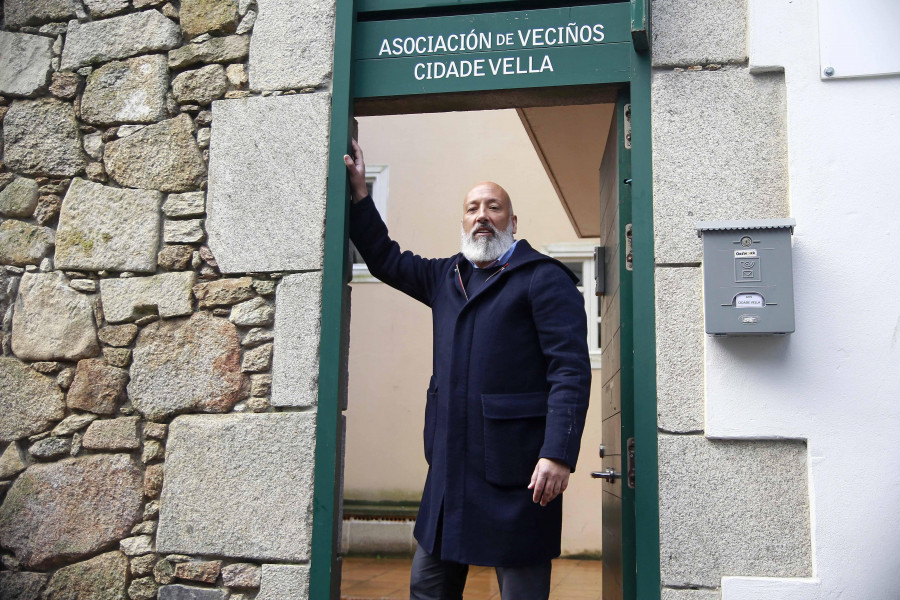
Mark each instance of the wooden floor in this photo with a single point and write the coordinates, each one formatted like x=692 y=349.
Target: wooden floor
x=388 y=579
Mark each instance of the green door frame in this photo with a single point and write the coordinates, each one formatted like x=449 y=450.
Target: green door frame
x=646 y=493
x=324 y=568
x=626 y=347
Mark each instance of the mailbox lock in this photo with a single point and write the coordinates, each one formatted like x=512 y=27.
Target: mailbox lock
x=746 y=241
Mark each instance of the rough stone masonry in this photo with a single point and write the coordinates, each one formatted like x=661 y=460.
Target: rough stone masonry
x=140 y=455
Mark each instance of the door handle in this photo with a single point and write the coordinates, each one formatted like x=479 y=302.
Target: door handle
x=609 y=474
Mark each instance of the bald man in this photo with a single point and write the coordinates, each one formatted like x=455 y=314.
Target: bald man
x=507 y=399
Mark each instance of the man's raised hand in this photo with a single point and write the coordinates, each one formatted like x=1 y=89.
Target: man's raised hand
x=549 y=480
x=356 y=169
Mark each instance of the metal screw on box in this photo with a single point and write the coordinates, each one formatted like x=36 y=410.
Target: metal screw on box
x=829 y=71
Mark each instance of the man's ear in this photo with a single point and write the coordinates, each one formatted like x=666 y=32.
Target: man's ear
x=515 y=222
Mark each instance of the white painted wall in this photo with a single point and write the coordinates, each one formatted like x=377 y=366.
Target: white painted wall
x=836 y=381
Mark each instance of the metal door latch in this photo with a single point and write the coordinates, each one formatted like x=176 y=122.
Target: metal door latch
x=629 y=454
x=627 y=123
x=609 y=474
x=629 y=249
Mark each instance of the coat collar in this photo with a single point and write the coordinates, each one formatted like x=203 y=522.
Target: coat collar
x=523 y=255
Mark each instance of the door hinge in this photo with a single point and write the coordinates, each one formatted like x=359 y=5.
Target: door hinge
x=629 y=465
x=629 y=252
x=627 y=120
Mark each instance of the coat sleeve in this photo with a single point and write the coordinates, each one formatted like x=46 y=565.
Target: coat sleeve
x=405 y=271
x=558 y=311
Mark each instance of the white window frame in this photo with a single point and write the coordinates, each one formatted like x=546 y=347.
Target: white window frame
x=583 y=252
x=378 y=177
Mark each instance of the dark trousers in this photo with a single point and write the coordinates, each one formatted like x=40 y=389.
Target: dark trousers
x=435 y=579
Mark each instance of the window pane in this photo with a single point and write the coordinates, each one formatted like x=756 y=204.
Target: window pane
x=355 y=257
x=575 y=267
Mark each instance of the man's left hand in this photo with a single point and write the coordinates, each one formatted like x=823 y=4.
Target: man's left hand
x=549 y=480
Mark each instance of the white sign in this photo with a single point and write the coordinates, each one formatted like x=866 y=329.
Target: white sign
x=859 y=38
x=745 y=254
x=749 y=301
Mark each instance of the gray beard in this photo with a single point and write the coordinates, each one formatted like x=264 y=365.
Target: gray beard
x=486 y=249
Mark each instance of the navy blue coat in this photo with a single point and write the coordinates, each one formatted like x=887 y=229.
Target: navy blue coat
x=510 y=385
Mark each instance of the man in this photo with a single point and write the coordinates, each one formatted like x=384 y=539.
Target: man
x=507 y=399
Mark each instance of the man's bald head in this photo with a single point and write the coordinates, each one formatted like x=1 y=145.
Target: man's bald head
x=488 y=189
x=488 y=223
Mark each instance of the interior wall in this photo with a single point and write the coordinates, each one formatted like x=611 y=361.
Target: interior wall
x=433 y=160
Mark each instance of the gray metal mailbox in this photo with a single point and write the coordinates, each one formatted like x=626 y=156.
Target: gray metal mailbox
x=748 y=280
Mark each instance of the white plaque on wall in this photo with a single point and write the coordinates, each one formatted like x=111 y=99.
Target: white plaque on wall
x=859 y=38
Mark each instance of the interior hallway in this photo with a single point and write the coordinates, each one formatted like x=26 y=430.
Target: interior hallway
x=388 y=579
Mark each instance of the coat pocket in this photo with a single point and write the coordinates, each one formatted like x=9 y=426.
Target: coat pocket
x=430 y=424
x=513 y=435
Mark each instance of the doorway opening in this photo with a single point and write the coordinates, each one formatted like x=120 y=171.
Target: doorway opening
x=556 y=161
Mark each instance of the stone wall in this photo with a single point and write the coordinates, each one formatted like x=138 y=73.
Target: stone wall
x=727 y=507
x=140 y=454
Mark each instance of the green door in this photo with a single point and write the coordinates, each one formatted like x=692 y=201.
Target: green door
x=617 y=390
x=369 y=68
